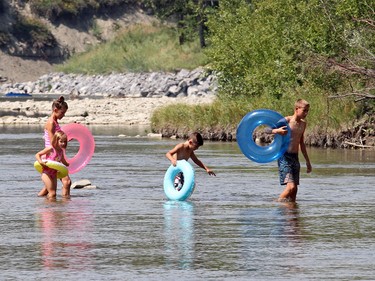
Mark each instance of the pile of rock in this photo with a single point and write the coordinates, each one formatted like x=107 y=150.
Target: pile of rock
x=185 y=83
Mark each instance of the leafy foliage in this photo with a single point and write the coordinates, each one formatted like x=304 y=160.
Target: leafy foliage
x=53 y=9
x=140 y=48
x=190 y=16
x=279 y=50
x=267 y=47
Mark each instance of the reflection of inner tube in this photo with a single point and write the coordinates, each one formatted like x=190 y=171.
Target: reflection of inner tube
x=245 y=130
x=188 y=186
x=86 y=146
x=62 y=170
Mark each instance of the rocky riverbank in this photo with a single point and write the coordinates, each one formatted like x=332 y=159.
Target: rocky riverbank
x=93 y=111
x=119 y=98
x=131 y=98
x=183 y=83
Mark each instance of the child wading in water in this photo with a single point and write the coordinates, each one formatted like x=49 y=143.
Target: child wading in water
x=53 y=153
x=59 y=108
x=289 y=166
x=184 y=151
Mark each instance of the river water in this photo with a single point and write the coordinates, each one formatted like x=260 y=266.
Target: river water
x=230 y=229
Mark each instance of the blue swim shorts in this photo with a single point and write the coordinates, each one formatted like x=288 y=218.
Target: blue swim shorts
x=289 y=168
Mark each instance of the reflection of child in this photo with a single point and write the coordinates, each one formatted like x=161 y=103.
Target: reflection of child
x=184 y=151
x=53 y=153
x=289 y=166
x=59 y=108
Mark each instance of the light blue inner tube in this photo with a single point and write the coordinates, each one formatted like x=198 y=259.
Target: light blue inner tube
x=189 y=182
x=245 y=130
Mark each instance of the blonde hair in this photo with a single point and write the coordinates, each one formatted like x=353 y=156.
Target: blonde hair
x=59 y=135
x=301 y=103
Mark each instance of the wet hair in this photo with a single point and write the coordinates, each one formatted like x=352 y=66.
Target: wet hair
x=301 y=103
x=197 y=138
x=59 y=103
x=59 y=135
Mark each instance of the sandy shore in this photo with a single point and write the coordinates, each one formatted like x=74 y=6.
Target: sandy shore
x=120 y=111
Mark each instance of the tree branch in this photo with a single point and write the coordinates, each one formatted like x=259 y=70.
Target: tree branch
x=361 y=95
x=353 y=68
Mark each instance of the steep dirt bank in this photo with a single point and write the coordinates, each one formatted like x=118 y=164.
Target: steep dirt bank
x=16 y=69
x=23 y=60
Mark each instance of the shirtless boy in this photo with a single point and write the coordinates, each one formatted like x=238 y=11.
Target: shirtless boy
x=289 y=166
x=184 y=151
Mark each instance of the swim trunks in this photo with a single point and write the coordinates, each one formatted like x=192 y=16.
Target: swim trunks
x=289 y=168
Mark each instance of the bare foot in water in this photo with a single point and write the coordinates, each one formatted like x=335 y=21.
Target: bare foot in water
x=43 y=192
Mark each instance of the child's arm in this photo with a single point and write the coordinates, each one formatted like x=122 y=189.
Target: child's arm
x=63 y=160
x=304 y=152
x=50 y=128
x=39 y=155
x=281 y=131
x=200 y=164
x=172 y=152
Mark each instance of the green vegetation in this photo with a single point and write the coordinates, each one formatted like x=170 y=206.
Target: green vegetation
x=269 y=53
x=53 y=9
x=140 y=48
x=183 y=118
x=225 y=115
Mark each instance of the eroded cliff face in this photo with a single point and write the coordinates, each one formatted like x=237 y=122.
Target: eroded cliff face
x=30 y=44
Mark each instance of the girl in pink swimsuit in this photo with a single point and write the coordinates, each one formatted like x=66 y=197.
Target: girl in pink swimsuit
x=59 y=108
x=53 y=153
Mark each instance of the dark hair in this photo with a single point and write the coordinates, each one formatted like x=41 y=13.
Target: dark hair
x=196 y=137
x=59 y=103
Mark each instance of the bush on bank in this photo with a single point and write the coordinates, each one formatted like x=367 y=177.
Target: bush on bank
x=136 y=49
x=269 y=53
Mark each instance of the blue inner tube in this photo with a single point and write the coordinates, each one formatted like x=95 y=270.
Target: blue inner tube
x=245 y=130
x=189 y=182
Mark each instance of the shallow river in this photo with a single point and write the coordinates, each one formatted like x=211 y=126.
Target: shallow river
x=230 y=229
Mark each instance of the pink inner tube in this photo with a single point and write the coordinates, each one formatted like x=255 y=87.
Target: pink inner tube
x=86 y=146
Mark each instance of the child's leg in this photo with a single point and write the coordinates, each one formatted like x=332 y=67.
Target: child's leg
x=43 y=192
x=293 y=195
x=289 y=193
x=66 y=186
x=289 y=168
x=50 y=185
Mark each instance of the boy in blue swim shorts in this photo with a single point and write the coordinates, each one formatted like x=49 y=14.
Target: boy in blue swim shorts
x=289 y=166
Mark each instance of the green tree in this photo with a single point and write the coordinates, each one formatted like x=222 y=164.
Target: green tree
x=190 y=16
x=275 y=47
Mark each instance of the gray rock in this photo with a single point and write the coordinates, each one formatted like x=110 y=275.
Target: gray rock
x=155 y=84
x=80 y=184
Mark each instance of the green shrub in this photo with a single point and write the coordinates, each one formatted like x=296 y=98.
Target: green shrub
x=136 y=49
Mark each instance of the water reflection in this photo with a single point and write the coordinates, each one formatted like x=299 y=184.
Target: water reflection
x=287 y=221
x=272 y=235
x=278 y=222
x=65 y=235
x=179 y=233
